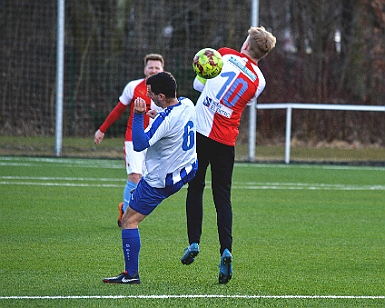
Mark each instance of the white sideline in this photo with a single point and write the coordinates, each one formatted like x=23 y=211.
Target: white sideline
x=117 y=164
x=199 y=296
x=47 y=181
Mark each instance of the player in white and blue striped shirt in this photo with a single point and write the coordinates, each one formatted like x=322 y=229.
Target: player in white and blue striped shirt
x=171 y=162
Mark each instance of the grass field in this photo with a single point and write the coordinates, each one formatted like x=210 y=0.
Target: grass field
x=113 y=148
x=304 y=236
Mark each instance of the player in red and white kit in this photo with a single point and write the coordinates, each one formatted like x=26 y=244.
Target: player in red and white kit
x=134 y=161
x=219 y=109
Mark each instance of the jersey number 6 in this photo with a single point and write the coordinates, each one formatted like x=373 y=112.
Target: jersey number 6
x=188 y=136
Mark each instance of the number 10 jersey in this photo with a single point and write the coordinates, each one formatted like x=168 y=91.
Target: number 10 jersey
x=223 y=98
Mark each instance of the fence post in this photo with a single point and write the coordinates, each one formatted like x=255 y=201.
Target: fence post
x=288 y=133
x=59 y=77
x=253 y=110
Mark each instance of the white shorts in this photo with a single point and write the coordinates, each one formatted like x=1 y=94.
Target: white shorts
x=134 y=161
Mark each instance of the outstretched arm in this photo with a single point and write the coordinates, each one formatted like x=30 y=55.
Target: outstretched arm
x=114 y=115
x=98 y=136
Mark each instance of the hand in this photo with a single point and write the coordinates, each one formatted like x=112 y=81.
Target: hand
x=98 y=137
x=152 y=113
x=139 y=105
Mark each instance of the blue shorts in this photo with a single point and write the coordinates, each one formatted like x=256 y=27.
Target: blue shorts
x=146 y=198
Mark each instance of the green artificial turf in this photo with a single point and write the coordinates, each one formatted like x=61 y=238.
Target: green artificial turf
x=113 y=148
x=304 y=236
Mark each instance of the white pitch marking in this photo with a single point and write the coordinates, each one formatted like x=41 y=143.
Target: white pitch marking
x=59 y=184
x=46 y=178
x=199 y=296
x=50 y=181
x=113 y=164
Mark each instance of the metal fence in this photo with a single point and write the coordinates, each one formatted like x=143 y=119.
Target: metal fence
x=106 y=41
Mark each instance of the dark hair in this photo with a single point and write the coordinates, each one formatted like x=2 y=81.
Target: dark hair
x=164 y=83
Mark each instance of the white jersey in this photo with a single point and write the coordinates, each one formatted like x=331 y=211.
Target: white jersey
x=172 y=152
x=134 y=89
x=223 y=98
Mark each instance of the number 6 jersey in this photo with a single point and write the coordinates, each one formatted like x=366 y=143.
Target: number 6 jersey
x=223 y=98
x=170 y=142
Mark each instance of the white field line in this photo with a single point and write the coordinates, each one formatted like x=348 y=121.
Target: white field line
x=197 y=296
x=310 y=166
x=115 y=182
x=65 y=178
x=113 y=164
x=62 y=162
x=307 y=186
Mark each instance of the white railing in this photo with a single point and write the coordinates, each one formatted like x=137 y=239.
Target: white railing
x=289 y=110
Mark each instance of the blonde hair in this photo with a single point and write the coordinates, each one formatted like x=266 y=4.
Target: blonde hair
x=261 y=42
x=154 y=57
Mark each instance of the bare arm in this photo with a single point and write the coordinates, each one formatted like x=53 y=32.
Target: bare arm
x=98 y=136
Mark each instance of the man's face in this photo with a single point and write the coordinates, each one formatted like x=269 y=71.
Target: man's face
x=153 y=96
x=245 y=44
x=153 y=67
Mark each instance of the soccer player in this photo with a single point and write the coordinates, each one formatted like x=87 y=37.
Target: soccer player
x=171 y=162
x=219 y=109
x=134 y=161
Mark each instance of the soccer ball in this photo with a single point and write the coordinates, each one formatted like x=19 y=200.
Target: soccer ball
x=207 y=63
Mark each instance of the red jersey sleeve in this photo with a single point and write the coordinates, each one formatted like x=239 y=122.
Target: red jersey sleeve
x=114 y=115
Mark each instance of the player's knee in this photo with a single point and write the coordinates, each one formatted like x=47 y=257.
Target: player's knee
x=134 y=177
x=129 y=222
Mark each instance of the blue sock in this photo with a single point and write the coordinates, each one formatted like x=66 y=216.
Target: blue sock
x=131 y=248
x=127 y=194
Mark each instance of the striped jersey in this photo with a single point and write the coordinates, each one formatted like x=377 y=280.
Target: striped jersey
x=223 y=98
x=170 y=141
x=134 y=89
